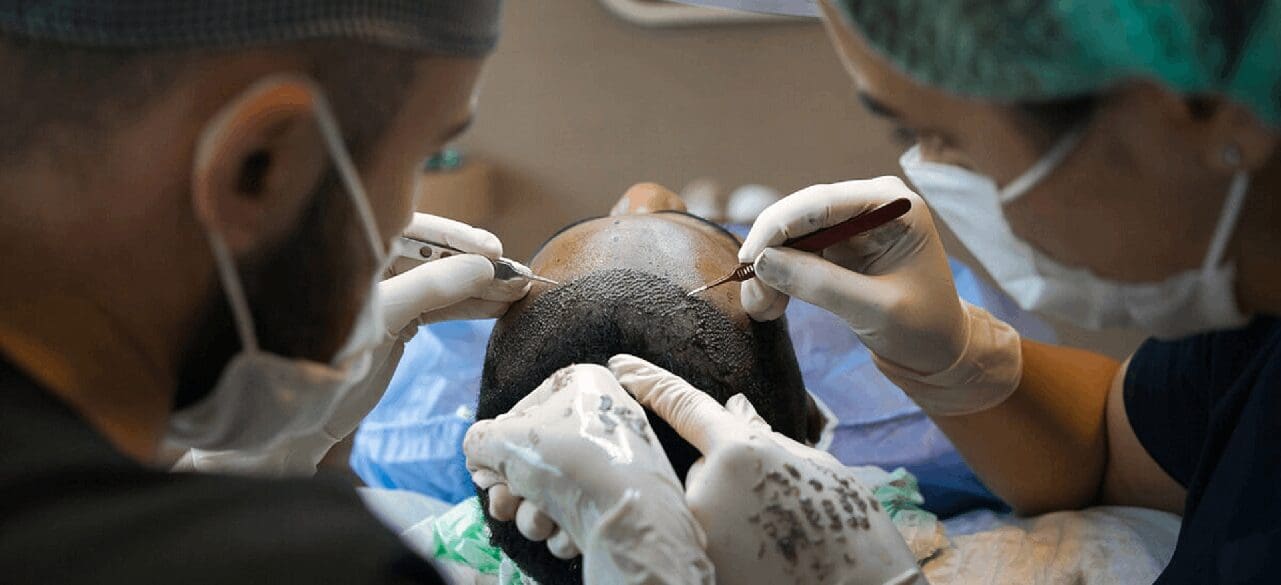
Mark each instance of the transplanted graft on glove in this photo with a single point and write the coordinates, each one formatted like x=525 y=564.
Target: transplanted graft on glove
x=445 y=27
x=1033 y=50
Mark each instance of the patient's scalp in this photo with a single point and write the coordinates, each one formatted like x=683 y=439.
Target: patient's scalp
x=623 y=301
x=598 y=315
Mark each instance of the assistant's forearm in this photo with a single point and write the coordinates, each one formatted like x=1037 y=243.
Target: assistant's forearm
x=1045 y=447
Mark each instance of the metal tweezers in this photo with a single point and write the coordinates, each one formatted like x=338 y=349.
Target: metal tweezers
x=822 y=239
x=504 y=268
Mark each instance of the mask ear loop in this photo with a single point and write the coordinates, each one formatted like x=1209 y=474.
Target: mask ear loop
x=235 y=293
x=223 y=259
x=350 y=176
x=1232 y=206
x=341 y=157
x=1052 y=159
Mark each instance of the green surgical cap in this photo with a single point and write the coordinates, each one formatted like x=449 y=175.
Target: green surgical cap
x=1034 y=50
x=445 y=27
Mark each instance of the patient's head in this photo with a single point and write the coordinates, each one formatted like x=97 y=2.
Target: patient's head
x=624 y=283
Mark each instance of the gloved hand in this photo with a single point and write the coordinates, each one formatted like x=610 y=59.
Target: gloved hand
x=458 y=287
x=414 y=293
x=580 y=450
x=893 y=287
x=775 y=511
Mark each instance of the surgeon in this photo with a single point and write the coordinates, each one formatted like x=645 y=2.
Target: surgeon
x=196 y=205
x=1111 y=163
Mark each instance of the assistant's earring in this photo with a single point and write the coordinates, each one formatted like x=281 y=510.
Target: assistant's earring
x=1232 y=204
x=1232 y=156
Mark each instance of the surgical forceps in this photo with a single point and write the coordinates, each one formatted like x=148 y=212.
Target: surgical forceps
x=427 y=251
x=824 y=238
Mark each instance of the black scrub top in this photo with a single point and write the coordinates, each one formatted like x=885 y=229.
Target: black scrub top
x=75 y=510
x=1208 y=410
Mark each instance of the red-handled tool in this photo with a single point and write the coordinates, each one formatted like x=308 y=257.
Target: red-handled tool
x=824 y=238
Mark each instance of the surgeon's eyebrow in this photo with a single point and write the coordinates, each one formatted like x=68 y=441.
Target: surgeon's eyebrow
x=449 y=135
x=877 y=107
x=458 y=129
x=907 y=134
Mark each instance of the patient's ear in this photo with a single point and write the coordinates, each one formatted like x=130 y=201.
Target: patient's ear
x=815 y=421
x=647 y=198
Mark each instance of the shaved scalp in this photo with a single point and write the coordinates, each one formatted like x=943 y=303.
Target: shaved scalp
x=602 y=314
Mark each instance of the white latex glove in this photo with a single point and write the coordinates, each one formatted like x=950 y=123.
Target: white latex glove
x=580 y=449
x=775 y=511
x=458 y=287
x=893 y=287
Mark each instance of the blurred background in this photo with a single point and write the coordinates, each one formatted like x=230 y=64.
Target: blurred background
x=584 y=98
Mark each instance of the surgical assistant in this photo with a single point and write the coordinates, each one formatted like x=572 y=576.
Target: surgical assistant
x=1110 y=163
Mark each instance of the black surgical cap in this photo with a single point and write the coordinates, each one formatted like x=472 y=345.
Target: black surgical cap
x=446 y=27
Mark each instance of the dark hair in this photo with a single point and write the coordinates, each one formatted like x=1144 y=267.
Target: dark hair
x=83 y=91
x=594 y=317
x=1062 y=115
x=298 y=273
x=1054 y=118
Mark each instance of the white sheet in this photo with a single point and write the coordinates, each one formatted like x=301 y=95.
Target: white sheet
x=1095 y=546
x=1105 y=545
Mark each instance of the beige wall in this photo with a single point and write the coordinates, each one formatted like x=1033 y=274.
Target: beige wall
x=578 y=105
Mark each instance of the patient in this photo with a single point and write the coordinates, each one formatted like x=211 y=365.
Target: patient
x=624 y=283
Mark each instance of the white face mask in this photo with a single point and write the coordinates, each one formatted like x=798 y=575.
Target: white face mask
x=263 y=399
x=1185 y=303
